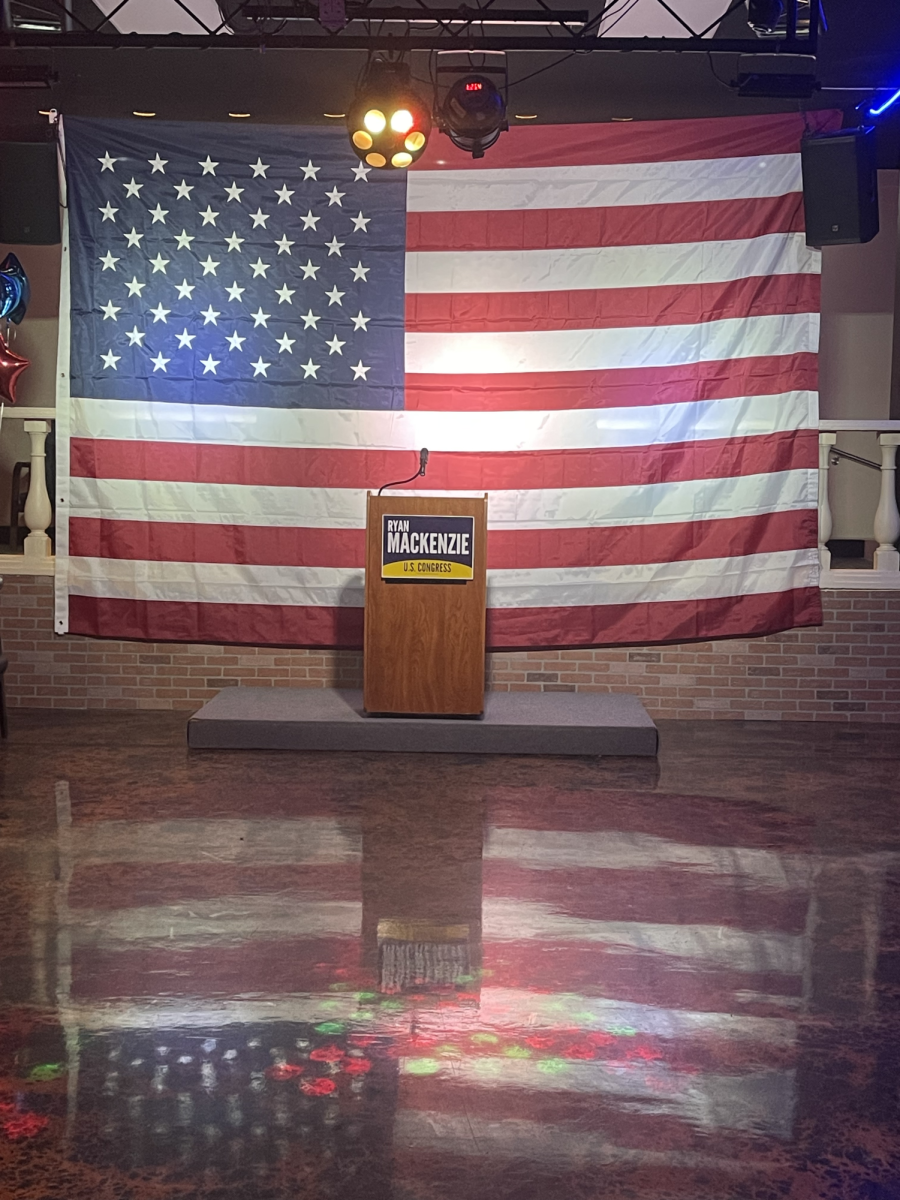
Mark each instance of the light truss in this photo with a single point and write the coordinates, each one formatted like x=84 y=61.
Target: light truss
x=416 y=25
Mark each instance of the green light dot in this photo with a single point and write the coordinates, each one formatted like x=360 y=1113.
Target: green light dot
x=366 y=996
x=364 y=1014
x=490 y=1039
x=552 y=1066
x=331 y=1027
x=47 y=1071
x=517 y=1052
x=392 y=1004
x=623 y=1031
x=423 y=1066
x=447 y=1050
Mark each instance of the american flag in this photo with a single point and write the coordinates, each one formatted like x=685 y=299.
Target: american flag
x=611 y=329
x=646 y=971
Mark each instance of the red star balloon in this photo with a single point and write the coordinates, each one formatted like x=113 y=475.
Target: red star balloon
x=11 y=367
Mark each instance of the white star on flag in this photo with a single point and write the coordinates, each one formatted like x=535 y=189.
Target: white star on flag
x=309 y=171
x=309 y=271
x=309 y=221
x=209 y=167
x=335 y=197
x=310 y=368
x=283 y=244
x=185 y=339
x=235 y=342
x=160 y=314
x=334 y=345
x=259 y=218
x=334 y=296
x=109 y=261
x=158 y=164
x=135 y=288
x=235 y=292
x=109 y=311
x=209 y=217
x=259 y=168
x=285 y=343
x=260 y=368
x=184 y=240
x=132 y=188
x=361 y=173
x=159 y=263
x=209 y=316
x=260 y=318
x=159 y=363
x=334 y=247
x=310 y=320
x=360 y=272
x=284 y=194
x=135 y=336
x=106 y=163
x=259 y=268
x=110 y=360
x=234 y=242
x=159 y=214
x=209 y=265
x=234 y=192
x=184 y=289
x=209 y=364
x=284 y=294
x=183 y=190
x=360 y=223
x=109 y=213
x=360 y=372
x=361 y=322
x=134 y=238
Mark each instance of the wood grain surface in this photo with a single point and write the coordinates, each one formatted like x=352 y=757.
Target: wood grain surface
x=424 y=642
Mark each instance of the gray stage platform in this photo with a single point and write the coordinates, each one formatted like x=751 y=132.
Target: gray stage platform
x=267 y=718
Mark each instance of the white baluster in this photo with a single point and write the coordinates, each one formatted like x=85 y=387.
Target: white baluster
x=826 y=441
x=887 y=516
x=38 y=512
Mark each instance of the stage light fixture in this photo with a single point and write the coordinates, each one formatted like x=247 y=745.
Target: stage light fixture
x=473 y=114
x=388 y=122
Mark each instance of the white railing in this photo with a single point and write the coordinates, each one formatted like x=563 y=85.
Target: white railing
x=885 y=571
x=37 y=557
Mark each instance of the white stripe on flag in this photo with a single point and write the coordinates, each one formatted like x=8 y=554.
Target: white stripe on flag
x=300 y=841
x=450 y=432
x=339 y=587
x=737 y=949
x=682 y=264
x=231 y=917
x=561 y=350
x=563 y=850
x=538 y=508
x=604 y=186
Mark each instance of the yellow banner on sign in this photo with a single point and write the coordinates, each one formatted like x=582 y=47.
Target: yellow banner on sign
x=432 y=568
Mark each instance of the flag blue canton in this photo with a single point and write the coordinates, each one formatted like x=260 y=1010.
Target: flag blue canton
x=257 y=266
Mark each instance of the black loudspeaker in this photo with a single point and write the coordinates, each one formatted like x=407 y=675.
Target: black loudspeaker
x=29 y=194
x=840 y=187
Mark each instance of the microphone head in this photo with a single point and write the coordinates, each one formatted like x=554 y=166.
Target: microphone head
x=423 y=460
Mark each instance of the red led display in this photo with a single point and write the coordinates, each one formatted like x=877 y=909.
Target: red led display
x=475 y=86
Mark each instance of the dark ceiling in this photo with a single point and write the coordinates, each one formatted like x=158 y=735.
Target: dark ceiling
x=860 y=51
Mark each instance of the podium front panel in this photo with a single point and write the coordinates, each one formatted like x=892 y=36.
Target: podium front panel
x=425 y=605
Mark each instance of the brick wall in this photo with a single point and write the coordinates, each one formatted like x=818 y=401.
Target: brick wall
x=848 y=670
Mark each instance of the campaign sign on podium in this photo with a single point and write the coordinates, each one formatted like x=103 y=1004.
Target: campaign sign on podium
x=427 y=548
x=425 y=605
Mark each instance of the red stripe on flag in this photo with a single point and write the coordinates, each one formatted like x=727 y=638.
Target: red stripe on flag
x=644 y=141
x=655 y=895
x=615 y=388
x=290 y=466
x=611 y=308
x=162 y=541
x=110 y=886
x=508 y=629
x=618 y=225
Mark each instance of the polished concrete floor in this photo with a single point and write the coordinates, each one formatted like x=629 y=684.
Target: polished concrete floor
x=264 y=976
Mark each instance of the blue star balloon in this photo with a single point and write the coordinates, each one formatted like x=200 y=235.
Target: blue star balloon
x=14 y=290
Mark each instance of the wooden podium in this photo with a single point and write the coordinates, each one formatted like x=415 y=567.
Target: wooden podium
x=425 y=606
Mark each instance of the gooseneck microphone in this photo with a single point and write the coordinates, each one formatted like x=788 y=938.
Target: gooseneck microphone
x=423 y=463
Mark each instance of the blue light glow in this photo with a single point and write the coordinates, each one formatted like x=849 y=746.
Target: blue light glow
x=876 y=112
